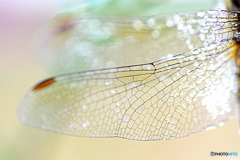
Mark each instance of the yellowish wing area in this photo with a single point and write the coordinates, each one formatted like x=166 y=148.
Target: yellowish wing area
x=175 y=96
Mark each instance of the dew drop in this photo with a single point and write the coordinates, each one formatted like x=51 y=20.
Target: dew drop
x=113 y=91
x=84 y=106
x=194 y=52
x=161 y=95
x=108 y=83
x=149 y=67
x=169 y=23
x=84 y=125
x=199 y=80
x=176 y=18
x=192 y=94
x=201 y=57
x=168 y=117
x=169 y=55
x=180 y=26
x=166 y=133
x=118 y=104
x=162 y=78
x=151 y=23
x=192 y=85
x=196 y=64
x=200 y=14
x=191 y=58
x=138 y=25
x=73 y=125
x=117 y=110
x=132 y=85
x=221 y=124
x=210 y=127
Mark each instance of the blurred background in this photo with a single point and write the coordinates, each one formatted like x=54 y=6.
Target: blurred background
x=24 y=62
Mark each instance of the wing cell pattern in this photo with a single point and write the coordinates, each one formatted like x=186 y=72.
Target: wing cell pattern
x=170 y=98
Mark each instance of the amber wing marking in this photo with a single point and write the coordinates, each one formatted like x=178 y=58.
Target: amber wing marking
x=44 y=84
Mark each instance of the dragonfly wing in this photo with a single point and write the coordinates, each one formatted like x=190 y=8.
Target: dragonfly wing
x=145 y=102
x=81 y=43
x=170 y=98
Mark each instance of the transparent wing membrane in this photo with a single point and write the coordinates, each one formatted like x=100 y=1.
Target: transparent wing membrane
x=104 y=42
x=176 y=96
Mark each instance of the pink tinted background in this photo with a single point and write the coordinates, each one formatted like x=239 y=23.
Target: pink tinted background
x=19 y=22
